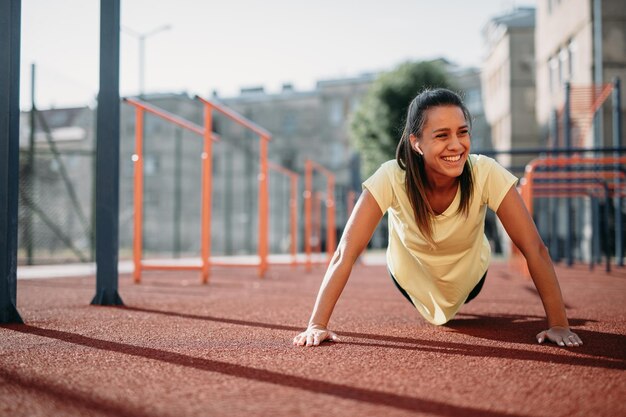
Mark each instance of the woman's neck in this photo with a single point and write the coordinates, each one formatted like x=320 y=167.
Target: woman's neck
x=442 y=184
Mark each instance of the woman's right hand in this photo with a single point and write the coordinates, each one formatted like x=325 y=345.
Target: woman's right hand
x=314 y=335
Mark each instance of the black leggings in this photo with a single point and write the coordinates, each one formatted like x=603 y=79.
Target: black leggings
x=470 y=297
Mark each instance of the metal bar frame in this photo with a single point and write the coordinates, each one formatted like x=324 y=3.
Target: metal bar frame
x=530 y=189
x=263 y=210
x=141 y=107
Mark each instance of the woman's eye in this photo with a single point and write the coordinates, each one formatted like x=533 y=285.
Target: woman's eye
x=441 y=135
x=464 y=132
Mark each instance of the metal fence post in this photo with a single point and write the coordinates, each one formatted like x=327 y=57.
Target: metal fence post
x=10 y=11
x=569 y=209
x=617 y=142
x=108 y=157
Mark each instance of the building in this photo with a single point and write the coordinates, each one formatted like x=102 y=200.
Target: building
x=304 y=124
x=310 y=125
x=582 y=42
x=508 y=84
x=468 y=81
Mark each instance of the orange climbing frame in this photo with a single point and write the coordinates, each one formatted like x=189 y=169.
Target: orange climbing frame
x=208 y=138
x=591 y=164
x=265 y=137
x=310 y=167
x=613 y=177
x=140 y=109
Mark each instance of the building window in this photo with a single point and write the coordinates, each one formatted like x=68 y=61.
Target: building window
x=472 y=100
x=572 y=48
x=336 y=112
x=290 y=123
x=553 y=68
x=150 y=164
x=564 y=65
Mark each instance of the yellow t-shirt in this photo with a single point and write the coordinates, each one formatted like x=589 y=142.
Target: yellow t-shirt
x=438 y=280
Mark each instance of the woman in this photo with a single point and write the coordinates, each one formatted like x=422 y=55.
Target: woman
x=436 y=195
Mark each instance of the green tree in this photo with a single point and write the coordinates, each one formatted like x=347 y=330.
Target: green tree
x=377 y=124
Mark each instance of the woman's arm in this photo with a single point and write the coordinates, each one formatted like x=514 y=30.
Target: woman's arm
x=521 y=229
x=358 y=232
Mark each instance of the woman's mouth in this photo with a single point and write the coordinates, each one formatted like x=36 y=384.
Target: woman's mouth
x=454 y=158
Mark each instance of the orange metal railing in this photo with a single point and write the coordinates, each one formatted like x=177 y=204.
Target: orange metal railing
x=589 y=164
x=206 y=132
x=140 y=109
x=265 y=137
x=208 y=138
x=610 y=181
x=310 y=167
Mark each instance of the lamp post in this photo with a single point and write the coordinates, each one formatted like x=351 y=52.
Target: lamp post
x=142 y=49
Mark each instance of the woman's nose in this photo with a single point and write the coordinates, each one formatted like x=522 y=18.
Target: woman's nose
x=455 y=142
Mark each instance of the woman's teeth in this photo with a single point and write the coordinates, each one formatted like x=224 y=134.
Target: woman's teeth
x=452 y=158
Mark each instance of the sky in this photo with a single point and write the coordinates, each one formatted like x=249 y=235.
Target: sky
x=229 y=44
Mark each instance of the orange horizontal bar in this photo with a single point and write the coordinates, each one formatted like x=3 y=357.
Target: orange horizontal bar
x=565 y=161
x=235 y=265
x=281 y=169
x=565 y=193
x=236 y=117
x=322 y=168
x=580 y=175
x=170 y=117
x=581 y=184
x=153 y=267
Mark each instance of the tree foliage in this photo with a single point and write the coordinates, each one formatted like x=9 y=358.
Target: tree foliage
x=377 y=123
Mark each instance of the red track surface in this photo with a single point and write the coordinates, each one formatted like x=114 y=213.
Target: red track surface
x=179 y=348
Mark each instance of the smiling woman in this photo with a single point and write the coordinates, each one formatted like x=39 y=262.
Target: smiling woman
x=436 y=195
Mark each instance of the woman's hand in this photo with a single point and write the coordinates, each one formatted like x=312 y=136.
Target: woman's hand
x=314 y=335
x=562 y=336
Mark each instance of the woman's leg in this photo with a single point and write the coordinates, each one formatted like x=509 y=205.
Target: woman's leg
x=470 y=297
x=476 y=289
x=400 y=288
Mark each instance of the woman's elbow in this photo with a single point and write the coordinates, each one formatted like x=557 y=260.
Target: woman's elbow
x=344 y=255
x=536 y=249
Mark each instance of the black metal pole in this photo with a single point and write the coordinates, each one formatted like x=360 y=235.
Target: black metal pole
x=617 y=141
x=228 y=201
x=596 y=250
x=567 y=131
x=10 y=12
x=607 y=203
x=554 y=203
x=178 y=186
x=107 y=157
x=29 y=172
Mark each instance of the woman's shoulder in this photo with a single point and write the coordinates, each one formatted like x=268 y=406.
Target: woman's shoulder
x=394 y=170
x=479 y=161
x=390 y=168
x=483 y=166
x=391 y=165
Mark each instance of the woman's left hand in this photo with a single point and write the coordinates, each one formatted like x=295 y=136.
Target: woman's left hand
x=562 y=336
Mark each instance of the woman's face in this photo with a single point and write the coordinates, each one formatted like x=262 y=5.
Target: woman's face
x=444 y=143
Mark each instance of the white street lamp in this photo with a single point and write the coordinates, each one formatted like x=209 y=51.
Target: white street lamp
x=142 y=49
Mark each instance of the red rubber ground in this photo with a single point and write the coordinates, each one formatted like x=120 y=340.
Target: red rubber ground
x=179 y=348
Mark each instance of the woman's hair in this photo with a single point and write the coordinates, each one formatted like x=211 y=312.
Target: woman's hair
x=413 y=163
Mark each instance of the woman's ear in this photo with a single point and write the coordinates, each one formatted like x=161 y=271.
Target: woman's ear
x=415 y=145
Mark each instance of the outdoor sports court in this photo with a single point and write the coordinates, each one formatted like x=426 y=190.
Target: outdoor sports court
x=224 y=349
x=184 y=345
